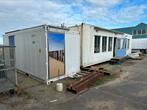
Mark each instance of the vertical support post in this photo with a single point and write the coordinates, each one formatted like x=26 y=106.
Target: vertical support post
x=47 y=60
x=81 y=45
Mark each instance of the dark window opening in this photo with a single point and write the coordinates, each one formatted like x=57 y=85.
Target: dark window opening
x=104 y=44
x=134 y=32
x=11 y=41
x=97 y=44
x=139 y=31
x=143 y=31
x=128 y=43
x=124 y=44
x=118 y=44
x=110 y=44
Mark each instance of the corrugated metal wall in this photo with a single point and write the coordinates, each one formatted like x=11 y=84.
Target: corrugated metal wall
x=30 y=51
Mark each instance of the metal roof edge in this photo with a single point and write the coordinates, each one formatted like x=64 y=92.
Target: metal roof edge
x=25 y=29
x=50 y=26
x=104 y=29
x=58 y=27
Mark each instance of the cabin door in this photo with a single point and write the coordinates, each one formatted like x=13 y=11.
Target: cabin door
x=120 y=47
x=56 y=54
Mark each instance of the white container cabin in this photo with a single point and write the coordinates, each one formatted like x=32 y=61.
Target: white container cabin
x=46 y=52
x=50 y=53
x=99 y=44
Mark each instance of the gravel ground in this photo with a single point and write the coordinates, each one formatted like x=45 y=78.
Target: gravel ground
x=128 y=92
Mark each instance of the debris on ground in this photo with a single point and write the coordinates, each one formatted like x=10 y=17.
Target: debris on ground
x=117 y=60
x=53 y=101
x=79 y=85
x=135 y=56
x=105 y=71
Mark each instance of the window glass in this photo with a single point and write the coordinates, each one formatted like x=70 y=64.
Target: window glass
x=128 y=43
x=139 y=31
x=104 y=44
x=118 y=44
x=143 y=31
x=11 y=41
x=121 y=43
x=97 y=44
x=110 y=44
x=134 y=32
x=124 y=44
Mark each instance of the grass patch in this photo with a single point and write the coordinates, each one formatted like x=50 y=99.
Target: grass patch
x=105 y=79
x=26 y=94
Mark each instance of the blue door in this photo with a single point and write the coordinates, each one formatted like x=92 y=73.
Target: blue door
x=121 y=47
x=11 y=41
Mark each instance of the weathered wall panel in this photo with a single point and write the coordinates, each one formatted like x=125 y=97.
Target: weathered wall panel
x=72 y=52
x=88 y=56
x=30 y=51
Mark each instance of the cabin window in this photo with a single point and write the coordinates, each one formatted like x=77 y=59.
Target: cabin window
x=134 y=32
x=110 y=44
x=121 y=43
x=128 y=45
x=104 y=44
x=143 y=31
x=139 y=31
x=11 y=40
x=97 y=44
x=118 y=44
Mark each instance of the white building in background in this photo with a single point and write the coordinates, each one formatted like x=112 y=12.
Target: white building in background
x=139 y=36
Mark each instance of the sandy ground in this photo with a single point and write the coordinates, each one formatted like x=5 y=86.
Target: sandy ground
x=125 y=93
x=56 y=68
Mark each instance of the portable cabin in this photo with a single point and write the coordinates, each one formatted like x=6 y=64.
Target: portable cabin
x=46 y=52
x=123 y=46
x=99 y=44
x=50 y=52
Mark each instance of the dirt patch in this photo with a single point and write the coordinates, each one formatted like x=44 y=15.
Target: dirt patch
x=115 y=81
x=101 y=105
x=105 y=79
x=142 y=93
x=128 y=63
x=130 y=108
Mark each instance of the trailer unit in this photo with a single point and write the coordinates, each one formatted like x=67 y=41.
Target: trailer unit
x=46 y=52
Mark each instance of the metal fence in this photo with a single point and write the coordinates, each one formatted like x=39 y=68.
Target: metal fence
x=8 y=78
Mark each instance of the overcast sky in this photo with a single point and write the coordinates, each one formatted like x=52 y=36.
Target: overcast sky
x=15 y=14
